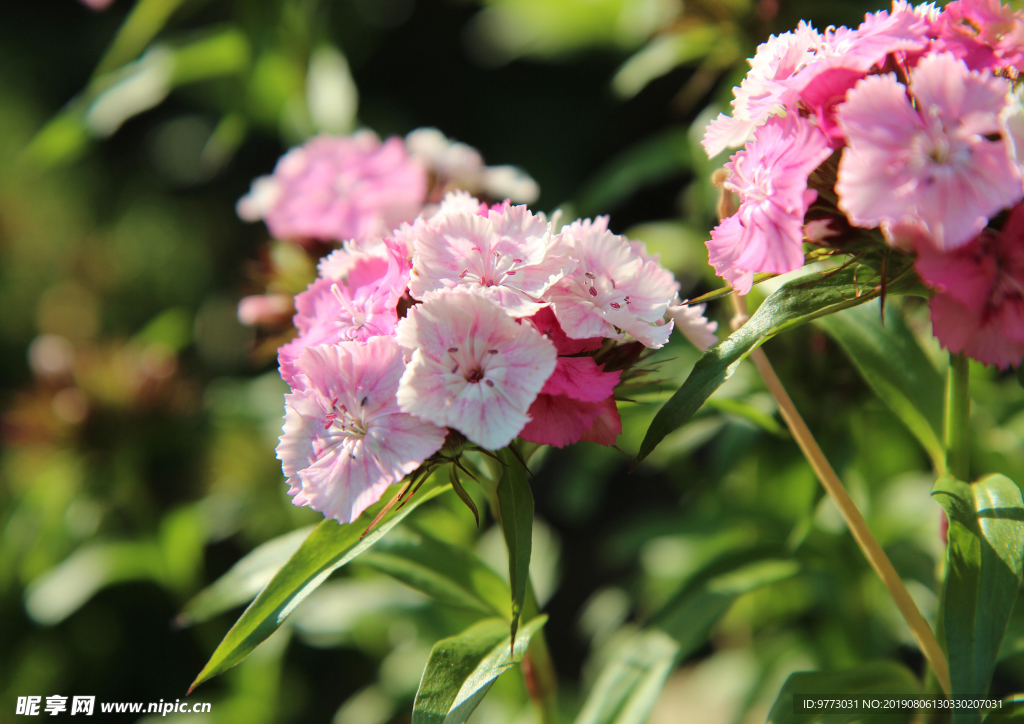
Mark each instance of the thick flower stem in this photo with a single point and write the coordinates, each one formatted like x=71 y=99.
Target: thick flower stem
x=922 y=632
x=958 y=411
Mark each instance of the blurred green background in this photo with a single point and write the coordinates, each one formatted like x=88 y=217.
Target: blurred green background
x=139 y=422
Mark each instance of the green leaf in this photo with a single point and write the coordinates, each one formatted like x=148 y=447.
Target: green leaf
x=447 y=573
x=891 y=361
x=650 y=161
x=461 y=669
x=794 y=303
x=67 y=587
x=986 y=552
x=690 y=614
x=328 y=548
x=1011 y=709
x=662 y=54
x=244 y=580
x=146 y=19
x=884 y=680
x=746 y=411
x=515 y=507
x=629 y=685
x=222 y=53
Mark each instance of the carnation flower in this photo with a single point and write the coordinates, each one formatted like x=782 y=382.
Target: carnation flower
x=472 y=366
x=691 y=322
x=574 y=395
x=770 y=175
x=939 y=160
x=345 y=439
x=612 y=287
x=508 y=255
x=978 y=308
x=983 y=33
x=764 y=91
x=460 y=165
x=338 y=188
x=356 y=307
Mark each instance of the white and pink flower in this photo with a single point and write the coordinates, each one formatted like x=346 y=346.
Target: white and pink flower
x=611 y=288
x=345 y=439
x=337 y=188
x=931 y=153
x=770 y=176
x=472 y=366
x=507 y=254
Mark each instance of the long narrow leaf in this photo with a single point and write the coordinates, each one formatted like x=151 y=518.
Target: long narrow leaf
x=794 y=303
x=891 y=361
x=328 y=548
x=515 y=505
x=881 y=681
x=461 y=669
x=629 y=685
x=447 y=573
x=244 y=580
x=986 y=552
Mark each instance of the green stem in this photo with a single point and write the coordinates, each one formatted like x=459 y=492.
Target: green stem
x=538 y=668
x=958 y=412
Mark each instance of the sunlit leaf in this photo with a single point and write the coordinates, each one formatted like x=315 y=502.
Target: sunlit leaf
x=244 y=580
x=629 y=685
x=461 y=669
x=897 y=369
x=661 y=55
x=64 y=589
x=707 y=596
x=986 y=552
x=146 y=19
x=447 y=573
x=794 y=303
x=224 y=52
x=515 y=506
x=1011 y=709
x=328 y=548
x=881 y=681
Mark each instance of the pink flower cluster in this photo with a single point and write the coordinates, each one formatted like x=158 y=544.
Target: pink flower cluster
x=919 y=107
x=459 y=316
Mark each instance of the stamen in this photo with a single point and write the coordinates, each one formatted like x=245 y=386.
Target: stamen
x=455 y=368
x=614 y=305
x=475 y=376
x=492 y=351
x=593 y=292
x=464 y=273
x=363 y=403
x=489 y=383
x=453 y=350
x=589 y=275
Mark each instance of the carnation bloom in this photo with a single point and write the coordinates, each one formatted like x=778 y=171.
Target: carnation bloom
x=472 y=366
x=507 y=254
x=939 y=161
x=691 y=322
x=764 y=91
x=978 y=307
x=337 y=188
x=345 y=439
x=457 y=164
x=770 y=175
x=983 y=33
x=611 y=286
x=575 y=395
x=356 y=307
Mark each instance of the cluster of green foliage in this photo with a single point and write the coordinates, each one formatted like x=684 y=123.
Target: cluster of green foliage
x=140 y=502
